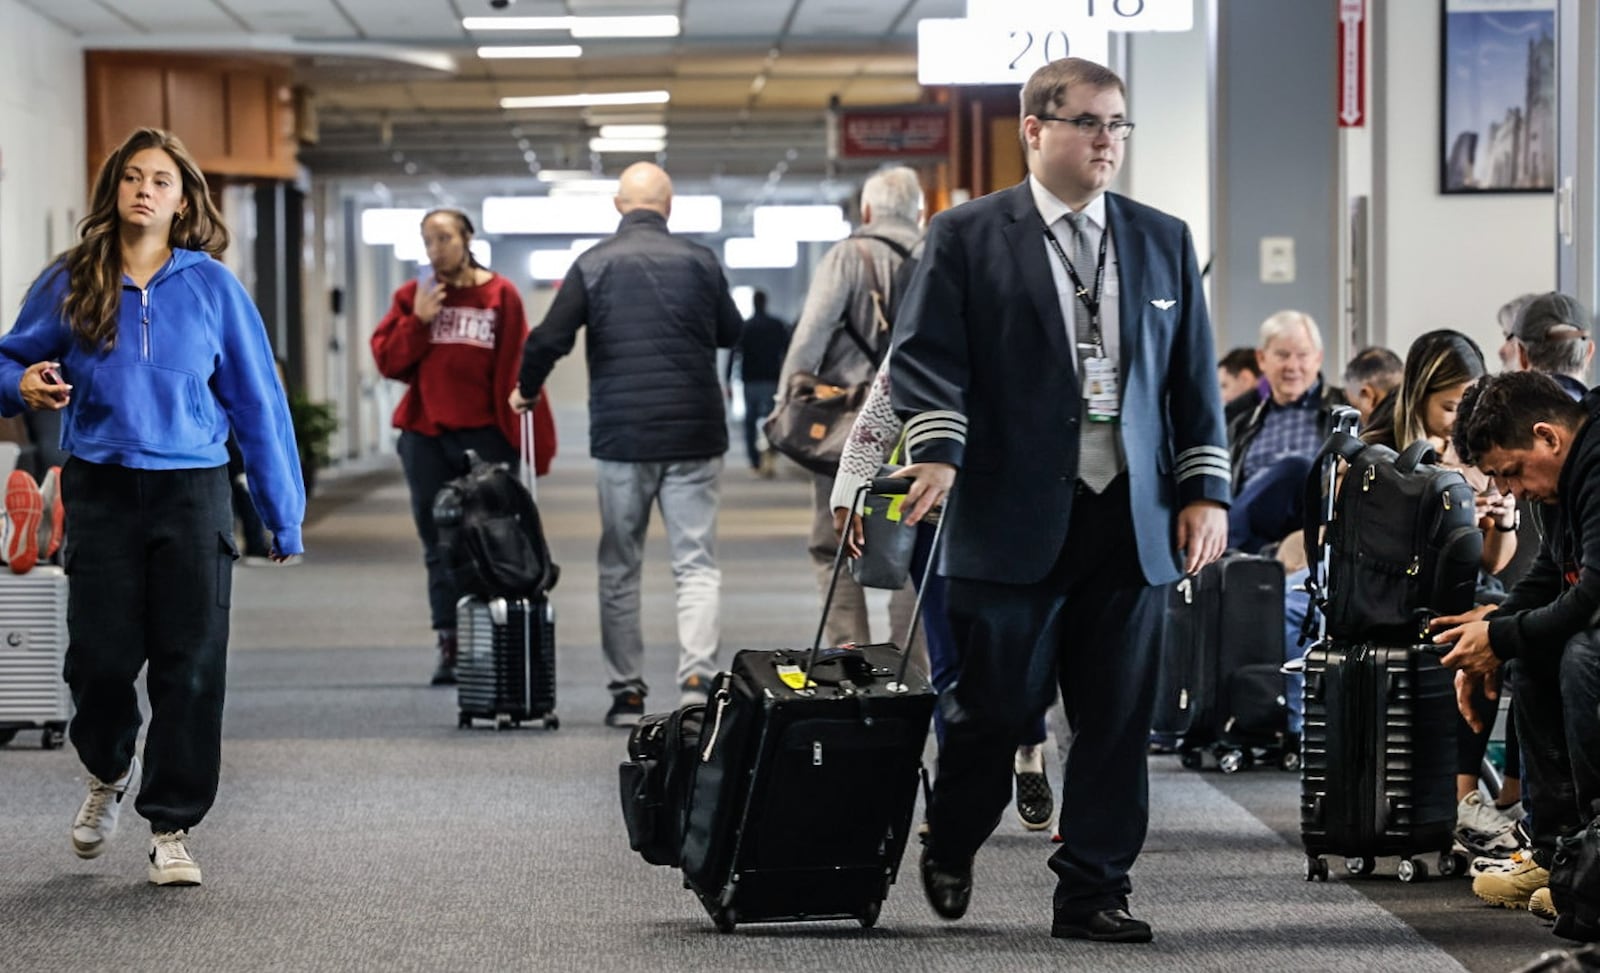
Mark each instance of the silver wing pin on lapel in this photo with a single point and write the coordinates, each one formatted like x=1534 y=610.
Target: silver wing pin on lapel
x=1163 y=302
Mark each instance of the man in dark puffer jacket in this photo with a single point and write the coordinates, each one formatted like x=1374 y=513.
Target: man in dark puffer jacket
x=657 y=308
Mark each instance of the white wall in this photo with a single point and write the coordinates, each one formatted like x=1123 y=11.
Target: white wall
x=1169 y=157
x=42 y=146
x=1439 y=261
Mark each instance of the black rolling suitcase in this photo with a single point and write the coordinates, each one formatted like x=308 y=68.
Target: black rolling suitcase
x=1378 y=746
x=506 y=662
x=807 y=777
x=505 y=625
x=1378 y=774
x=1221 y=687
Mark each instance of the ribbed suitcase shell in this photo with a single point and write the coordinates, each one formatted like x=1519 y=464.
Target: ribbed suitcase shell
x=1378 y=777
x=802 y=802
x=33 y=646
x=506 y=662
x=1217 y=624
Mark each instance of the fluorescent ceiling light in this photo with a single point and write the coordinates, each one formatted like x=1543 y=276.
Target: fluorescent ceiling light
x=633 y=131
x=589 y=215
x=586 y=243
x=563 y=175
x=532 y=51
x=626 y=145
x=550 y=264
x=585 y=187
x=387 y=227
x=820 y=223
x=660 y=25
x=587 y=99
x=751 y=253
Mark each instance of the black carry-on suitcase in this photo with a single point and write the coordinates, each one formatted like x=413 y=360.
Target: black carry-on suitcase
x=506 y=643
x=1378 y=751
x=506 y=662
x=807 y=779
x=1222 y=688
x=1378 y=746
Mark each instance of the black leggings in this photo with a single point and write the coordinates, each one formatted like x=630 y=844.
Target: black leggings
x=1471 y=746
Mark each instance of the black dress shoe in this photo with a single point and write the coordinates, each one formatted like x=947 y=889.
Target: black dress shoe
x=949 y=888
x=1105 y=926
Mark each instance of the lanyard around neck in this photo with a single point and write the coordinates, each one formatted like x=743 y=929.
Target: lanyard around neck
x=1089 y=299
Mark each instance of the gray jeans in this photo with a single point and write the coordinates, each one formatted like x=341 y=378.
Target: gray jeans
x=687 y=494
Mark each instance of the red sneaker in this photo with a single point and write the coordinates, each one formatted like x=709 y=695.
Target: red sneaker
x=24 y=508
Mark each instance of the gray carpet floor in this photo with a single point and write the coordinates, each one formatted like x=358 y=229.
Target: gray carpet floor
x=358 y=829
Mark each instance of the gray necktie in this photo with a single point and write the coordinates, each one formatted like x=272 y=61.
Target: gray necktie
x=1099 y=446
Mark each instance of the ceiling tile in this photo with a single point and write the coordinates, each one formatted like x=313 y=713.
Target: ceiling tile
x=176 y=16
x=79 y=16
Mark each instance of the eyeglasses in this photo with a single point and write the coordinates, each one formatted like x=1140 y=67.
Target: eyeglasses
x=1089 y=126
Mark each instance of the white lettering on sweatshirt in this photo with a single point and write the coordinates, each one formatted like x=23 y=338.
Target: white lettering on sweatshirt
x=464 y=326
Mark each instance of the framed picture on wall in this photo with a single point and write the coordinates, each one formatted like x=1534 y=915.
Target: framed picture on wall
x=1497 y=96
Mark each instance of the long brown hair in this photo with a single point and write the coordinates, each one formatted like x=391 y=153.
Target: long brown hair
x=94 y=264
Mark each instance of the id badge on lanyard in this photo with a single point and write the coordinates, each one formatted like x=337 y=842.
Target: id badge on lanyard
x=1100 y=388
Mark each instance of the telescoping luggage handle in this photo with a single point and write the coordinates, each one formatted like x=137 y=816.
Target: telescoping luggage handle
x=888 y=486
x=525 y=460
x=1319 y=512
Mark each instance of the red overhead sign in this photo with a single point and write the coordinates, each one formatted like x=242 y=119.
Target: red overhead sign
x=1352 y=63
x=894 y=133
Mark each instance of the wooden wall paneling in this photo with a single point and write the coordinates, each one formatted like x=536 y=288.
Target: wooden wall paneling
x=250 y=128
x=197 y=112
x=119 y=102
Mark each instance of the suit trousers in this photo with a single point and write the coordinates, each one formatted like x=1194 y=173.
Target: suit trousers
x=1093 y=627
x=150 y=565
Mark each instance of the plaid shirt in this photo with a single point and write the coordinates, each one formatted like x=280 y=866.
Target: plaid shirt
x=1286 y=430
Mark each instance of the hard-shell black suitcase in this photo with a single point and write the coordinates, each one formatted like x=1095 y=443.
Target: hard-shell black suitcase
x=1221 y=689
x=807 y=777
x=803 y=797
x=506 y=661
x=1378 y=777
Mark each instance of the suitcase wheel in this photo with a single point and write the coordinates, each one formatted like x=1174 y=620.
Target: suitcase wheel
x=552 y=722
x=1412 y=870
x=1236 y=760
x=869 y=915
x=502 y=721
x=52 y=738
x=1452 y=864
x=463 y=722
x=6 y=736
x=1361 y=866
x=1192 y=760
x=1316 y=869
x=724 y=919
x=1289 y=760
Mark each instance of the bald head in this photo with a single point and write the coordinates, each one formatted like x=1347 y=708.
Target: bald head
x=644 y=185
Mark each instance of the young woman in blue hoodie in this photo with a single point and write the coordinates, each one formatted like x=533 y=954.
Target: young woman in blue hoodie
x=152 y=350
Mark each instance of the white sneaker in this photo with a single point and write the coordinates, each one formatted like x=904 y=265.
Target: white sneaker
x=97 y=817
x=1482 y=829
x=1489 y=864
x=170 y=862
x=1514 y=813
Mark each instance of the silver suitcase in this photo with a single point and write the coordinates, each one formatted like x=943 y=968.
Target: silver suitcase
x=33 y=646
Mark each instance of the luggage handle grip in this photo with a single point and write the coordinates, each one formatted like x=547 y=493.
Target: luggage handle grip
x=894 y=485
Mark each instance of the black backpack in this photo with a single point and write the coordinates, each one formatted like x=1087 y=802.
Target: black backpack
x=656 y=779
x=490 y=531
x=1575 y=883
x=1403 y=542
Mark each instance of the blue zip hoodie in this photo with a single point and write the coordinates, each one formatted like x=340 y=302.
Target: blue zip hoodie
x=191 y=359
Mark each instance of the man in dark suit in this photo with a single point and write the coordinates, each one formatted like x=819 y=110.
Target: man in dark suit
x=1055 y=348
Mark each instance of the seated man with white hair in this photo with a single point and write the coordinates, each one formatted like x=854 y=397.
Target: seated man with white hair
x=1274 y=439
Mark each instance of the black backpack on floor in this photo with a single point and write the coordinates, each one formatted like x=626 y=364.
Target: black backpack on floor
x=656 y=779
x=490 y=531
x=1404 y=544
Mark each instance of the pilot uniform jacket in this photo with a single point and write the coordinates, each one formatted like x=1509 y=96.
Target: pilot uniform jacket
x=983 y=374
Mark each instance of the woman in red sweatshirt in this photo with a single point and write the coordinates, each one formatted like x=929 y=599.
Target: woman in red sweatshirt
x=455 y=338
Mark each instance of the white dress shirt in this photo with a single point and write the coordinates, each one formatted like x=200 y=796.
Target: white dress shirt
x=1053 y=211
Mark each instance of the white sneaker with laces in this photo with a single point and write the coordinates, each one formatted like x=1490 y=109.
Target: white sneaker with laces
x=97 y=816
x=1488 y=864
x=1483 y=830
x=170 y=861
